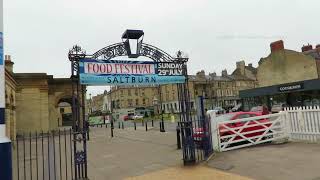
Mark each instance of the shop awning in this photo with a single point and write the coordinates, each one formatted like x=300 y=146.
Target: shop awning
x=298 y=86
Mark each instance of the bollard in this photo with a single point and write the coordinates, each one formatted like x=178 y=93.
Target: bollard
x=160 y=125
x=152 y=123
x=106 y=125
x=135 y=125
x=146 y=125
x=119 y=124
x=178 y=138
x=88 y=135
x=122 y=126
x=112 y=127
x=100 y=125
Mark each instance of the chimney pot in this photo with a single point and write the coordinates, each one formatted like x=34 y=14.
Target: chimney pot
x=276 y=46
x=8 y=63
x=250 y=64
x=306 y=48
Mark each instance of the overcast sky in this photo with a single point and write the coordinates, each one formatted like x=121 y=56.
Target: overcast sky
x=214 y=33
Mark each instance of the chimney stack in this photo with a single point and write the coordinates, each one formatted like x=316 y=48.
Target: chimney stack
x=250 y=64
x=317 y=46
x=213 y=74
x=201 y=74
x=306 y=48
x=8 y=63
x=241 y=66
x=224 y=73
x=276 y=46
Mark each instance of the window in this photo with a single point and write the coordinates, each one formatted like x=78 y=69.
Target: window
x=121 y=92
x=137 y=102
x=144 y=101
x=136 y=92
x=129 y=92
x=130 y=103
x=175 y=106
x=142 y=92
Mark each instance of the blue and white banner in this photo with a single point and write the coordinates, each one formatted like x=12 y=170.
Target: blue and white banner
x=119 y=72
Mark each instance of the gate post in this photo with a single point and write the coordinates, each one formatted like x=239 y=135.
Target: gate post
x=5 y=143
x=215 y=132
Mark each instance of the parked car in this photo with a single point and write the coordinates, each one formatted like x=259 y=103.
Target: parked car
x=236 y=108
x=199 y=133
x=261 y=109
x=277 y=108
x=137 y=116
x=219 y=110
x=128 y=117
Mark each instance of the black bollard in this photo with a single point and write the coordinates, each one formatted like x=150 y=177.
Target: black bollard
x=119 y=125
x=88 y=135
x=160 y=125
x=112 y=127
x=100 y=125
x=178 y=138
x=146 y=125
x=152 y=123
x=135 y=125
x=122 y=126
x=106 y=125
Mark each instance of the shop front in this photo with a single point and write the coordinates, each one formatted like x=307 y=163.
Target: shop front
x=301 y=93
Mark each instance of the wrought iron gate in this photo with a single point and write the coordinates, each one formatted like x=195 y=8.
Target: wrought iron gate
x=44 y=156
x=195 y=129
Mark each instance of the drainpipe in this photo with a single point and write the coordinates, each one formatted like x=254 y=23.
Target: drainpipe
x=5 y=143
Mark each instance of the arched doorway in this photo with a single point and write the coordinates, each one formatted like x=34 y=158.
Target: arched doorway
x=65 y=111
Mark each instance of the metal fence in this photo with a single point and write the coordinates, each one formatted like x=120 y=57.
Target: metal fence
x=44 y=156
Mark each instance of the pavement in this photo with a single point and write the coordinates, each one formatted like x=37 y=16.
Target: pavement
x=289 y=161
x=130 y=153
x=139 y=154
x=186 y=173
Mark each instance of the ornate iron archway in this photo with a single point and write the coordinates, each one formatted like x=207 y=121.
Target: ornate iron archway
x=108 y=53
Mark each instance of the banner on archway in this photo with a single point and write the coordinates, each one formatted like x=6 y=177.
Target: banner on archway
x=122 y=72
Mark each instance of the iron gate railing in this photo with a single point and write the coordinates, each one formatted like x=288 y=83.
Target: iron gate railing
x=45 y=156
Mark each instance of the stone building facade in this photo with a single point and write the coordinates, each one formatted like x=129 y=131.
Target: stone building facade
x=287 y=78
x=126 y=100
x=220 y=91
x=285 y=66
x=10 y=98
x=223 y=91
x=32 y=100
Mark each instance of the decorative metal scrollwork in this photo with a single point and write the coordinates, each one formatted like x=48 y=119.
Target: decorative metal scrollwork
x=76 y=53
x=110 y=52
x=145 y=50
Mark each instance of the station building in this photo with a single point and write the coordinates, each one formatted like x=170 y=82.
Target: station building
x=286 y=77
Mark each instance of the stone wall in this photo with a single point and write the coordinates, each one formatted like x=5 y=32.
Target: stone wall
x=10 y=110
x=285 y=66
x=32 y=110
